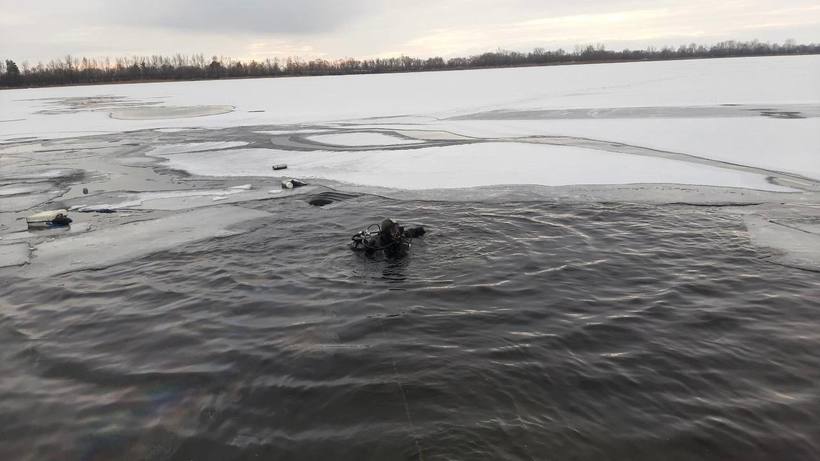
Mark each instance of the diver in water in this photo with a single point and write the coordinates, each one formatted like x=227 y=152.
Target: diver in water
x=389 y=237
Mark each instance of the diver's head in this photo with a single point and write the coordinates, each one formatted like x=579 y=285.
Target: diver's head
x=390 y=228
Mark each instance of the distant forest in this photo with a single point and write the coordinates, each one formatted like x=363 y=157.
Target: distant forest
x=78 y=71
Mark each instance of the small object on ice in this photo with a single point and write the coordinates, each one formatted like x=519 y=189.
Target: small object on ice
x=274 y=191
x=48 y=219
x=279 y=166
x=242 y=187
x=85 y=190
x=291 y=183
x=104 y=208
x=216 y=199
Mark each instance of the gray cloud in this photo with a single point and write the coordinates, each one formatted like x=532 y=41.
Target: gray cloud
x=45 y=29
x=257 y=16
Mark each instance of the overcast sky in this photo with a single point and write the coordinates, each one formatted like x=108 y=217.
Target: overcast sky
x=40 y=30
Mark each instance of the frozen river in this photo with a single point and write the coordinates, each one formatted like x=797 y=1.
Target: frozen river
x=622 y=264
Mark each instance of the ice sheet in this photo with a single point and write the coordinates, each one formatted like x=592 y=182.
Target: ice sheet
x=433 y=135
x=18 y=148
x=467 y=166
x=14 y=254
x=45 y=234
x=170 y=130
x=429 y=98
x=795 y=245
x=26 y=201
x=106 y=247
x=286 y=130
x=165 y=112
x=790 y=79
x=360 y=139
x=774 y=144
x=170 y=200
x=24 y=189
x=166 y=149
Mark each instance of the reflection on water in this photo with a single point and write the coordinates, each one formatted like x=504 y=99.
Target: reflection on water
x=516 y=331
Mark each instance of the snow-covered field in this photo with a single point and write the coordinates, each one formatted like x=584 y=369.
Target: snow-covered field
x=721 y=130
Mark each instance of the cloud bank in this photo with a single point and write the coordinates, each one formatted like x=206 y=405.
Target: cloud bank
x=41 y=30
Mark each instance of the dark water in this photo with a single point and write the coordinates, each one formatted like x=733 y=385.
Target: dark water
x=514 y=332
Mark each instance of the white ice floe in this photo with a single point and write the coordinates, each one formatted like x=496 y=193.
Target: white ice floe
x=73 y=144
x=795 y=245
x=468 y=166
x=14 y=254
x=774 y=144
x=33 y=235
x=360 y=139
x=174 y=199
x=26 y=201
x=25 y=174
x=106 y=247
x=24 y=189
x=19 y=148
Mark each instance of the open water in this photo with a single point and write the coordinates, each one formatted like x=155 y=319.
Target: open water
x=518 y=331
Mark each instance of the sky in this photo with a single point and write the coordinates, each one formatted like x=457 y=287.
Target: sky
x=42 y=30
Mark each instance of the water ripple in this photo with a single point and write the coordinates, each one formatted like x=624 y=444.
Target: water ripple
x=516 y=331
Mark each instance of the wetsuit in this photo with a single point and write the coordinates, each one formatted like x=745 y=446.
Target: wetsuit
x=392 y=239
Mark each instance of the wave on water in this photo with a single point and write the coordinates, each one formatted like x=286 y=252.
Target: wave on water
x=512 y=331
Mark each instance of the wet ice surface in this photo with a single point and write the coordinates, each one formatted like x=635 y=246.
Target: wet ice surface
x=467 y=166
x=775 y=144
x=360 y=139
x=791 y=231
x=669 y=171
x=163 y=113
x=167 y=149
x=13 y=254
x=107 y=247
x=166 y=200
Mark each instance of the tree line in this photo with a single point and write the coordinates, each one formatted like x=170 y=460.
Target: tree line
x=73 y=71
